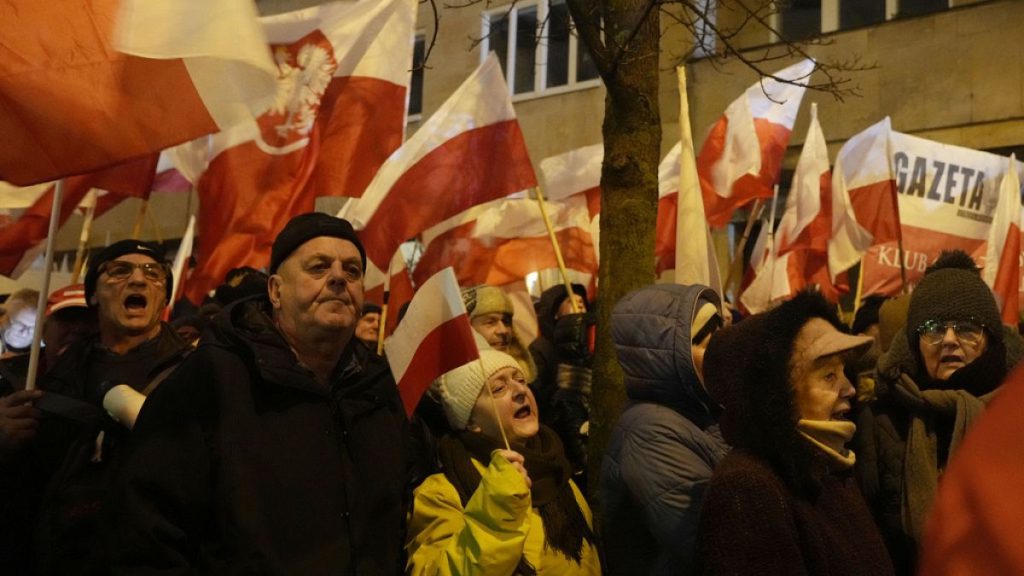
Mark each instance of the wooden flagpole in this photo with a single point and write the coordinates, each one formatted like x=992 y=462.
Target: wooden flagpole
x=44 y=290
x=383 y=322
x=83 y=239
x=494 y=403
x=737 y=259
x=558 y=251
x=771 y=242
x=140 y=219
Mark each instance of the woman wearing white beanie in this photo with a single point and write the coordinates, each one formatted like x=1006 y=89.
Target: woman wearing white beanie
x=498 y=508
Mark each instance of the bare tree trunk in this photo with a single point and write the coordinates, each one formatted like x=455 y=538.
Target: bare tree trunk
x=628 y=60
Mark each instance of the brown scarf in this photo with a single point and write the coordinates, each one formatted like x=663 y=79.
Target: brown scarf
x=565 y=526
x=920 y=460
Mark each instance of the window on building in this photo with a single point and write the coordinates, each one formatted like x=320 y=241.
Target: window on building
x=917 y=7
x=854 y=14
x=536 y=41
x=416 y=82
x=801 y=19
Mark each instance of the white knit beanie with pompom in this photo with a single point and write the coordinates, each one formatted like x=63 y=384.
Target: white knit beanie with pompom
x=458 y=389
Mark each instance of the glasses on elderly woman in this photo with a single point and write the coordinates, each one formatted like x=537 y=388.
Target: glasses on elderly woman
x=968 y=332
x=120 y=270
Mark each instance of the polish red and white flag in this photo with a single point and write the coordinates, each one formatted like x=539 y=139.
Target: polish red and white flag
x=1002 y=255
x=807 y=221
x=505 y=240
x=338 y=113
x=90 y=84
x=741 y=158
x=471 y=151
x=799 y=257
x=865 y=210
x=577 y=172
x=434 y=338
x=22 y=238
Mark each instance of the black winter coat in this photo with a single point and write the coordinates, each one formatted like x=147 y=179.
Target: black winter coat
x=242 y=463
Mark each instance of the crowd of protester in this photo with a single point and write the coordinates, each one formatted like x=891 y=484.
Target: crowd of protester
x=262 y=433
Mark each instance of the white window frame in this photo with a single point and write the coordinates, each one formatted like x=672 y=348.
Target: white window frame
x=540 y=71
x=830 y=16
x=410 y=118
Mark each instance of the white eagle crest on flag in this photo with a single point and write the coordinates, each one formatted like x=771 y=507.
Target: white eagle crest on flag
x=305 y=69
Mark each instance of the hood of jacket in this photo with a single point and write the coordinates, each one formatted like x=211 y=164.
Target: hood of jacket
x=548 y=305
x=746 y=368
x=651 y=331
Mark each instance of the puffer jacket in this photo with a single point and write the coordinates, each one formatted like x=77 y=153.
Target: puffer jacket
x=776 y=504
x=242 y=463
x=666 y=443
x=883 y=425
x=489 y=536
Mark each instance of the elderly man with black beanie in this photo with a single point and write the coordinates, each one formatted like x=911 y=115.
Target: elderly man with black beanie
x=932 y=383
x=278 y=447
x=88 y=400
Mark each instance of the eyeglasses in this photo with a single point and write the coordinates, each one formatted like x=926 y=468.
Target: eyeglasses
x=967 y=332
x=120 y=270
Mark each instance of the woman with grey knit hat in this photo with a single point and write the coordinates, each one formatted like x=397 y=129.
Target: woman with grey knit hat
x=932 y=383
x=504 y=502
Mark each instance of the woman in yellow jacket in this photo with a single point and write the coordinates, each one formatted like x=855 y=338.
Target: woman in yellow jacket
x=493 y=511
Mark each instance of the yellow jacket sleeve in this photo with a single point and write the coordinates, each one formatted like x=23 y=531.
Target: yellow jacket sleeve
x=485 y=538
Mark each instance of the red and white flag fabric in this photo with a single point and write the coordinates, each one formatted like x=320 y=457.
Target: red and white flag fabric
x=505 y=240
x=778 y=277
x=86 y=85
x=799 y=257
x=434 y=338
x=314 y=140
x=397 y=285
x=695 y=260
x=1002 y=256
x=741 y=158
x=577 y=172
x=574 y=172
x=807 y=221
x=470 y=151
x=22 y=238
x=865 y=211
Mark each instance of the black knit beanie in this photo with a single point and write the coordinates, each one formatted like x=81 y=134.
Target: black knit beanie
x=952 y=294
x=115 y=251
x=305 y=227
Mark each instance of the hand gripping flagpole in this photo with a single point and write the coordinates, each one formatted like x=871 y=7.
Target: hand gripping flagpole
x=44 y=290
x=558 y=251
x=383 y=323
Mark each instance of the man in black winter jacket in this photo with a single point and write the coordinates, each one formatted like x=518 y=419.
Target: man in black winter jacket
x=83 y=423
x=278 y=447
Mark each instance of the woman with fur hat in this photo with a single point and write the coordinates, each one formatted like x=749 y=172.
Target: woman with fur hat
x=784 y=500
x=932 y=383
x=504 y=502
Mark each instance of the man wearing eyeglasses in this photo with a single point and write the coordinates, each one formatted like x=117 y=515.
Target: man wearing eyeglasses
x=932 y=383
x=278 y=446
x=80 y=433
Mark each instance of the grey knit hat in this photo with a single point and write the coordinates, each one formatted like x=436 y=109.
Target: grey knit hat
x=952 y=294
